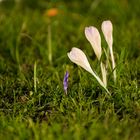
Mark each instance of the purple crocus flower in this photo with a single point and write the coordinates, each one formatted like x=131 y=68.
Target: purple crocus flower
x=65 y=82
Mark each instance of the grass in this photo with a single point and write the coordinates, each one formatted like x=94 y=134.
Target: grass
x=33 y=104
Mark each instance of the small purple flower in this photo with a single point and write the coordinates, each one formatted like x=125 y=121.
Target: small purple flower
x=65 y=82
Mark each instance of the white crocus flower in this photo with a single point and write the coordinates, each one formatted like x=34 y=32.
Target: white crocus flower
x=107 y=30
x=93 y=36
x=78 y=57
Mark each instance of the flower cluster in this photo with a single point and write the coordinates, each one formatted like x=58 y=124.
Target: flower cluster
x=92 y=34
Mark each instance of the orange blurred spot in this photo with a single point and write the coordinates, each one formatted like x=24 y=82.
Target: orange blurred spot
x=52 y=12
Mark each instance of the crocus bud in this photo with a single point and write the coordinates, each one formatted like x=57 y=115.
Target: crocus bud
x=65 y=82
x=93 y=36
x=107 y=30
x=78 y=57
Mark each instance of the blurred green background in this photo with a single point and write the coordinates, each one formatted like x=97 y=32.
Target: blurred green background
x=68 y=26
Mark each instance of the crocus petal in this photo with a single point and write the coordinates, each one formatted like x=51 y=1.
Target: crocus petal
x=93 y=36
x=78 y=57
x=107 y=30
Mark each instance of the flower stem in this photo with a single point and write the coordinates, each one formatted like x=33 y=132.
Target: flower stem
x=104 y=73
x=35 y=77
x=113 y=63
x=49 y=44
x=100 y=82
